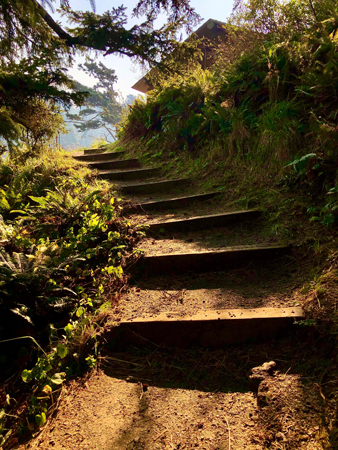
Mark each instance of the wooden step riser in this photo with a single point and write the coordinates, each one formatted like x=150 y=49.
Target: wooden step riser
x=174 y=203
x=207 y=331
x=112 y=165
x=154 y=188
x=131 y=175
x=92 y=151
x=208 y=261
x=203 y=223
x=99 y=157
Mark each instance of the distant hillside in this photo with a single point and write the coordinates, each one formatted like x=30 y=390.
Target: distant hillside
x=76 y=138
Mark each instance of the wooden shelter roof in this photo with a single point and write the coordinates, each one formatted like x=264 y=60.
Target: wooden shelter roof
x=211 y=29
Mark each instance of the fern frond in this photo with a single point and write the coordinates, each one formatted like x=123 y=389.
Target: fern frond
x=17 y=257
x=18 y=312
x=5 y=260
x=19 y=263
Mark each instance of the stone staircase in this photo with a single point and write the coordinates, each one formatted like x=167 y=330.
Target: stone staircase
x=151 y=194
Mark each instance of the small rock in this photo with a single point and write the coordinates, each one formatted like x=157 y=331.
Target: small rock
x=263 y=396
x=280 y=436
x=258 y=374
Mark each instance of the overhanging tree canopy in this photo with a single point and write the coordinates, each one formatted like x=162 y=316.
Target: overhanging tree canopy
x=28 y=25
x=35 y=50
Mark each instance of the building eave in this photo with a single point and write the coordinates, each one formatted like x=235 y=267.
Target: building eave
x=211 y=29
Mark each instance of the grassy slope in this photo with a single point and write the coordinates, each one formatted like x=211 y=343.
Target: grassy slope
x=288 y=212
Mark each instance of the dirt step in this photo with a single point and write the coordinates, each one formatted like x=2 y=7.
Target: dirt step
x=118 y=164
x=261 y=285
x=156 y=418
x=155 y=187
x=204 y=222
x=213 y=329
x=151 y=302
x=130 y=174
x=157 y=398
x=241 y=235
x=91 y=151
x=172 y=203
x=99 y=157
x=229 y=258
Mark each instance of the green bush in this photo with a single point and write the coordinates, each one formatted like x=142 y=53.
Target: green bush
x=18 y=181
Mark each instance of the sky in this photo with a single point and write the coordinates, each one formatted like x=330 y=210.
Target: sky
x=126 y=70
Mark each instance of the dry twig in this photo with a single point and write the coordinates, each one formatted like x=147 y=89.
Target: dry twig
x=226 y=419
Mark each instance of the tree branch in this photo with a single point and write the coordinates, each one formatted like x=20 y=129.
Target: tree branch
x=313 y=9
x=70 y=40
x=122 y=40
x=107 y=33
x=111 y=134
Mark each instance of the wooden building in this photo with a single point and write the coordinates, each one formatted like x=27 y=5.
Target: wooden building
x=212 y=30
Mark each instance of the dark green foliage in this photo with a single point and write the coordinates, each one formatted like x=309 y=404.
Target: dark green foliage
x=62 y=246
x=28 y=88
x=26 y=24
x=50 y=3
x=37 y=78
x=283 y=19
x=175 y=111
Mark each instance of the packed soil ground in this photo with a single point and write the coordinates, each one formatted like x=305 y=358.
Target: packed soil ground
x=169 y=399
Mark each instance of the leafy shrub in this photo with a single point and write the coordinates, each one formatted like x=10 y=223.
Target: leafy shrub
x=34 y=177
x=68 y=234
x=42 y=122
x=175 y=111
x=63 y=250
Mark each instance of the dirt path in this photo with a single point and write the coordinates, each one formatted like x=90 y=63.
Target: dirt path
x=105 y=413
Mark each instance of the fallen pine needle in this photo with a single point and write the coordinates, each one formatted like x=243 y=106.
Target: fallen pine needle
x=159 y=435
x=121 y=360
